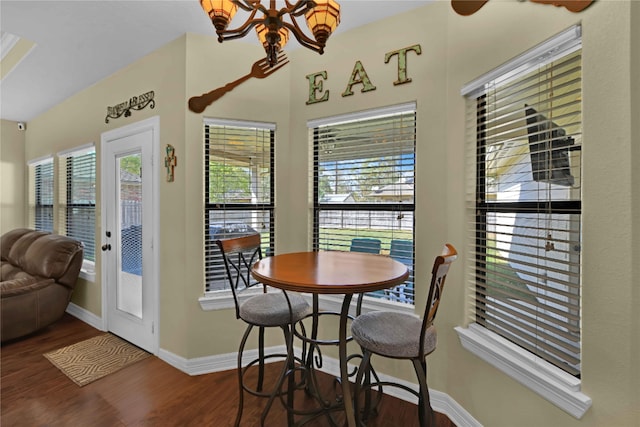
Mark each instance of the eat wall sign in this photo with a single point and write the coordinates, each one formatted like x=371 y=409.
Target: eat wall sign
x=359 y=76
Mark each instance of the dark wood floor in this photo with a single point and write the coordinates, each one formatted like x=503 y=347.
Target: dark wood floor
x=148 y=393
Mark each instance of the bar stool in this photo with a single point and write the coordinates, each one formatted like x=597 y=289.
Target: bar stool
x=265 y=310
x=402 y=336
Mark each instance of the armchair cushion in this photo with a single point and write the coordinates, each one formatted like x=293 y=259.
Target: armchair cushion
x=23 y=285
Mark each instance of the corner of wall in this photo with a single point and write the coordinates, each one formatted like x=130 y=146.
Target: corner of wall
x=12 y=176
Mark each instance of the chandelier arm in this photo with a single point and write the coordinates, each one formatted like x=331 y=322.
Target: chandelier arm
x=305 y=41
x=243 y=30
x=298 y=9
x=239 y=32
x=250 y=6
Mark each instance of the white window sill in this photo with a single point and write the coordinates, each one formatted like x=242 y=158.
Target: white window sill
x=334 y=303
x=88 y=271
x=221 y=300
x=89 y=276
x=224 y=299
x=550 y=382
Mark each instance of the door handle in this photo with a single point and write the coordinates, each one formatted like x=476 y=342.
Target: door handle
x=106 y=247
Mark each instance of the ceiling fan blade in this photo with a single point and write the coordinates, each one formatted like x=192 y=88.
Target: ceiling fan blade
x=570 y=5
x=467 y=7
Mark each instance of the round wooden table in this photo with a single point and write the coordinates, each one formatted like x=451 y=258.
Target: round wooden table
x=332 y=272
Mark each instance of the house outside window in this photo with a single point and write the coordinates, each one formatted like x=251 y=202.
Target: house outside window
x=363 y=187
x=525 y=210
x=41 y=194
x=77 y=198
x=239 y=192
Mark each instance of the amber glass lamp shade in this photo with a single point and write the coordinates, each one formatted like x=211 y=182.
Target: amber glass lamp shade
x=262 y=31
x=323 y=19
x=221 y=12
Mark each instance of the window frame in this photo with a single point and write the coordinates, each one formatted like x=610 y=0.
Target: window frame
x=65 y=165
x=394 y=208
x=544 y=378
x=36 y=192
x=222 y=299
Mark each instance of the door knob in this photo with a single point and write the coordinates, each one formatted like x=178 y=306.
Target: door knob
x=106 y=247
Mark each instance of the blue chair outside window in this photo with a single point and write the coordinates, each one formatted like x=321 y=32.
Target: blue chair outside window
x=369 y=246
x=402 y=251
x=366 y=245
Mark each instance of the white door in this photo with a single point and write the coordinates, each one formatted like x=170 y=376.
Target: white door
x=129 y=267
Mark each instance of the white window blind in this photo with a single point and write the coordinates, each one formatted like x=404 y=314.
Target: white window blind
x=525 y=202
x=41 y=194
x=239 y=193
x=77 y=196
x=363 y=186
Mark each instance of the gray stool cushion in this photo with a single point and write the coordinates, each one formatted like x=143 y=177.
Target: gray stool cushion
x=392 y=334
x=271 y=309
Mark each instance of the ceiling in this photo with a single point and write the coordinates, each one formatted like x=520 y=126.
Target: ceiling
x=78 y=43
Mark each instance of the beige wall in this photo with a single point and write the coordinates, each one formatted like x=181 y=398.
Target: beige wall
x=635 y=197
x=12 y=177
x=455 y=50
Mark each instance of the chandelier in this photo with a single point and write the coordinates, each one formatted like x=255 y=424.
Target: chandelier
x=322 y=17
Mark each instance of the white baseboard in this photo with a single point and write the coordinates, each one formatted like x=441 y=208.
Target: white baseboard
x=210 y=364
x=86 y=316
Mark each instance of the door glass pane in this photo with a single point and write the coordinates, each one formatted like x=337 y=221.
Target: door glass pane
x=129 y=287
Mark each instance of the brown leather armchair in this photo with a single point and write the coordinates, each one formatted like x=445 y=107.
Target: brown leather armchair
x=38 y=273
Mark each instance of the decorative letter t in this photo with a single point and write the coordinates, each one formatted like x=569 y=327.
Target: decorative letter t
x=402 y=62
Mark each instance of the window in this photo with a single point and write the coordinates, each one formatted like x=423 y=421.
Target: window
x=41 y=194
x=77 y=198
x=363 y=186
x=239 y=165
x=525 y=208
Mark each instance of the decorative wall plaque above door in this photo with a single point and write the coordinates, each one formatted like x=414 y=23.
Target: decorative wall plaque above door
x=134 y=103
